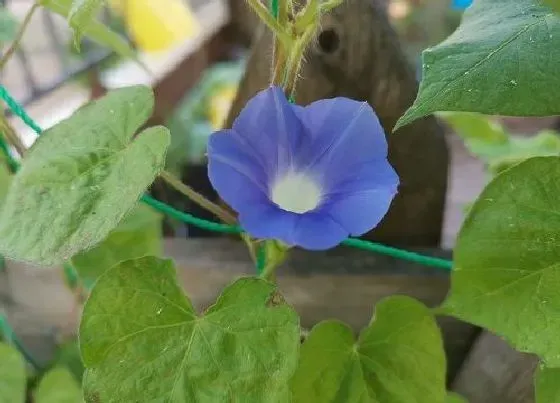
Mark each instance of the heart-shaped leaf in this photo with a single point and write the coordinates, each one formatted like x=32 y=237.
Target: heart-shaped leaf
x=12 y=375
x=507 y=259
x=502 y=60
x=81 y=177
x=141 y=340
x=398 y=358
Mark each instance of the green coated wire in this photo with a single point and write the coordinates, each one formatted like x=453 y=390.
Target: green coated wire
x=274 y=10
x=10 y=160
x=11 y=338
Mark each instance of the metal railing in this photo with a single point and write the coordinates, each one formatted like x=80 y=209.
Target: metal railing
x=55 y=47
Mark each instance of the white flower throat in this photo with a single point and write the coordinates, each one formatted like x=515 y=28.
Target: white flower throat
x=296 y=192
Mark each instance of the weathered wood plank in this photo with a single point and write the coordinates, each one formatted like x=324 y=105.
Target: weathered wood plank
x=496 y=373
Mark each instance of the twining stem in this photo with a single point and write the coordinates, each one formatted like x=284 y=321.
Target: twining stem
x=197 y=198
x=16 y=43
x=295 y=59
x=11 y=135
x=271 y=22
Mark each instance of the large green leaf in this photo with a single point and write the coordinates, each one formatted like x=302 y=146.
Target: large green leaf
x=58 y=386
x=82 y=13
x=8 y=25
x=507 y=259
x=547 y=385
x=12 y=375
x=399 y=358
x=81 y=177
x=94 y=30
x=502 y=60
x=141 y=340
x=138 y=235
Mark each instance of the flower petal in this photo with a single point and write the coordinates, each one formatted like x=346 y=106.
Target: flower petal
x=315 y=231
x=271 y=129
x=360 y=212
x=360 y=201
x=343 y=132
x=237 y=177
x=266 y=221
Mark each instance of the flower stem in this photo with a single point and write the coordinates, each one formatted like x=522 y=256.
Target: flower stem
x=19 y=35
x=271 y=22
x=197 y=198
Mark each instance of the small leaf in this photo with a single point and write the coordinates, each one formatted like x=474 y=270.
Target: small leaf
x=507 y=260
x=81 y=177
x=94 y=30
x=455 y=398
x=8 y=25
x=141 y=340
x=13 y=378
x=477 y=128
x=139 y=234
x=547 y=385
x=502 y=60
x=81 y=15
x=58 y=386
x=399 y=358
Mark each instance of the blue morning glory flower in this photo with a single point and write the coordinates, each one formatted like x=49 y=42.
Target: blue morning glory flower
x=307 y=176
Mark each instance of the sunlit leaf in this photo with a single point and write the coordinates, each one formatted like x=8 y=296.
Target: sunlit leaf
x=507 y=259
x=502 y=60
x=398 y=358
x=141 y=340
x=81 y=177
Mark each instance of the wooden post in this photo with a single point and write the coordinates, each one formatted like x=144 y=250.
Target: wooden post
x=357 y=54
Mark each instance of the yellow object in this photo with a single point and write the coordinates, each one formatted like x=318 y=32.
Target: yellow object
x=220 y=105
x=157 y=25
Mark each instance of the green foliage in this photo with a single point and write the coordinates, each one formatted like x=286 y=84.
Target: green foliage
x=507 y=260
x=93 y=29
x=547 y=389
x=81 y=177
x=58 y=386
x=141 y=340
x=554 y=4
x=500 y=150
x=68 y=356
x=8 y=25
x=13 y=377
x=82 y=13
x=455 y=398
x=398 y=358
x=502 y=60
x=139 y=234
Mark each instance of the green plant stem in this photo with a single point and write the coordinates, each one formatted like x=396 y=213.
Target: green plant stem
x=295 y=59
x=197 y=198
x=16 y=43
x=271 y=22
x=11 y=135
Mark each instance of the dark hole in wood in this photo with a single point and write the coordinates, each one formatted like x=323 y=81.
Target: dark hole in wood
x=329 y=41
